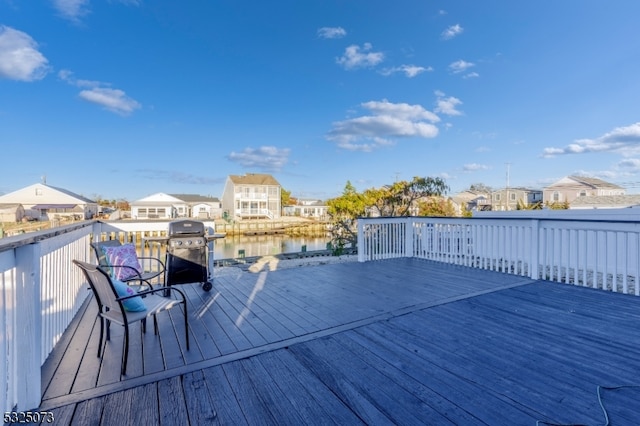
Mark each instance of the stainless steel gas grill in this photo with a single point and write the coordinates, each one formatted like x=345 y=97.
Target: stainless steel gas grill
x=187 y=254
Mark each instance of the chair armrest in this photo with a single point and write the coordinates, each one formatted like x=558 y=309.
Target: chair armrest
x=138 y=276
x=154 y=259
x=157 y=289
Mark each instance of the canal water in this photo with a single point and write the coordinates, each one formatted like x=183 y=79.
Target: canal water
x=263 y=245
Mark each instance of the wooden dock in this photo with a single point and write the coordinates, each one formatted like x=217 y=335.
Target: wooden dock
x=400 y=341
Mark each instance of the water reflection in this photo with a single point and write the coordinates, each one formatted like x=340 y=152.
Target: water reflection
x=263 y=245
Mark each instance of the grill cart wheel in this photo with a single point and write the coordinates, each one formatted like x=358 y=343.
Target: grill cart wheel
x=207 y=286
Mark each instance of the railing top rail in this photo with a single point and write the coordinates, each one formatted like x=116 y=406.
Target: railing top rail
x=16 y=241
x=628 y=214
x=615 y=218
x=10 y=243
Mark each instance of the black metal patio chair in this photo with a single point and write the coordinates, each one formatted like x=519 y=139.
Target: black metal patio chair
x=119 y=303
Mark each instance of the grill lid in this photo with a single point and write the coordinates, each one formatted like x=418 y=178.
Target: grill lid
x=182 y=228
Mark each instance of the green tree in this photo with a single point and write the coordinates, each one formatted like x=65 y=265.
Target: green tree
x=534 y=206
x=401 y=198
x=557 y=205
x=344 y=211
x=398 y=199
x=436 y=206
x=285 y=197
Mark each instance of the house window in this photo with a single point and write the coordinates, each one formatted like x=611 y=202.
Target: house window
x=512 y=196
x=556 y=196
x=142 y=212
x=496 y=197
x=583 y=193
x=38 y=191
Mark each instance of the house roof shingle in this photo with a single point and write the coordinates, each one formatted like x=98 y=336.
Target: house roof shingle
x=594 y=182
x=254 y=179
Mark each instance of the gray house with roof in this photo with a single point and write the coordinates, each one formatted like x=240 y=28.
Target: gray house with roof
x=570 y=188
x=511 y=198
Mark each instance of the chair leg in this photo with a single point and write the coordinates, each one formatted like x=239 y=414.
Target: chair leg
x=155 y=324
x=125 y=349
x=108 y=329
x=101 y=335
x=144 y=325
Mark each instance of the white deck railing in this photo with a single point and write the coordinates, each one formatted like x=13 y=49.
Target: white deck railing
x=41 y=291
x=596 y=251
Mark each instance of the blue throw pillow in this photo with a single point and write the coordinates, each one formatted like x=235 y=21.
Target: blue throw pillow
x=135 y=304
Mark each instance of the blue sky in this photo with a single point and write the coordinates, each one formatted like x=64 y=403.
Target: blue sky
x=127 y=98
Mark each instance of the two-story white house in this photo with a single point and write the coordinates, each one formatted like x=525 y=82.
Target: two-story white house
x=252 y=196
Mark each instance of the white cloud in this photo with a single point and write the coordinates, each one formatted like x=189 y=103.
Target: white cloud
x=402 y=111
x=72 y=10
x=447 y=105
x=632 y=164
x=331 y=32
x=623 y=140
x=409 y=70
x=387 y=121
x=460 y=66
x=100 y=93
x=268 y=158
x=111 y=99
x=19 y=56
x=67 y=76
x=356 y=57
x=75 y=10
x=452 y=32
x=474 y=167
x=471 y=75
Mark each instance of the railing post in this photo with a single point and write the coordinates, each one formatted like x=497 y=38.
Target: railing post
x=534 y=258
x=96 y=231
x=408 y=242
x=27 y=347
x=360 y=242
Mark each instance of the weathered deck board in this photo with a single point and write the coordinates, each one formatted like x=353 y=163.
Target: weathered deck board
x=401 y=341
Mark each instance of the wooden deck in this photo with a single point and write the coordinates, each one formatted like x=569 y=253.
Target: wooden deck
x=400 y=341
